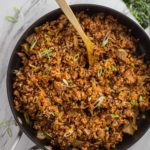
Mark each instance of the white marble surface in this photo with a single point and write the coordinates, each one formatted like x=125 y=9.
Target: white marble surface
x=31 y=10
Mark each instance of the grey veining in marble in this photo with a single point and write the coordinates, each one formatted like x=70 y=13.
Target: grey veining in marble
x=10 y=33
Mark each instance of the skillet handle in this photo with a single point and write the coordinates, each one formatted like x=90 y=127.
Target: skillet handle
x=17 y=139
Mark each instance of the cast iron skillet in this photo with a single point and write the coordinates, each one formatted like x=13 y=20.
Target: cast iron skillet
x=15 y=63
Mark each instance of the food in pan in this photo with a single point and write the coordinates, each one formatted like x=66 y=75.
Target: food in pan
x=71 y=103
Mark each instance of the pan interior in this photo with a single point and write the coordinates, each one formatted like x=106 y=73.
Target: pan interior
x=15 y=63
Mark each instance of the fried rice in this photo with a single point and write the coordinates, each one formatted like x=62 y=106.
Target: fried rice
x=71 y=103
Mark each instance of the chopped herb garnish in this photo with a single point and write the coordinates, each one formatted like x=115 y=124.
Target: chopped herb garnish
x=26 y=117
x=99 y=102
x=34 y=68
x=65 y=82
x=68 y=133
x=46 y=72
x=114 y=69
x=17 y=72
x=104 y=42
x=106 y=128
x=33 y=44
x=99 y=71
x=114 y=116
x=133 y=103
x=140 y=98
x=46 y=53
x=77 y=56
x=9 y=131
x=105 y=39
x=47 y=37
x=11 y=19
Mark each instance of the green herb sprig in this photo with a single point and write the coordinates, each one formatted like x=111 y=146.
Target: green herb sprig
x=14 y=19
x=11 y=19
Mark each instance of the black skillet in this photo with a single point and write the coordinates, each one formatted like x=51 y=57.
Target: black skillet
x=14 y=63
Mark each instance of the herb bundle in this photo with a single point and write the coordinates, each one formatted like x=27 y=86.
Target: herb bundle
x=140 y=10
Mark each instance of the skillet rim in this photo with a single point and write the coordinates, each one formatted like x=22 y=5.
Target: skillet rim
x=31 y=27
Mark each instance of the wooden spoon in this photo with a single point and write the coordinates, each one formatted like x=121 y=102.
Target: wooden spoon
x=72 y=18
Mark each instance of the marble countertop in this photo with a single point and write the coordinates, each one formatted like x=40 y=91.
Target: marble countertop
x=31 y=10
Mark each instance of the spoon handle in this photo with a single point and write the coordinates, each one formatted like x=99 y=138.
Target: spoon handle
x=71 y=17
